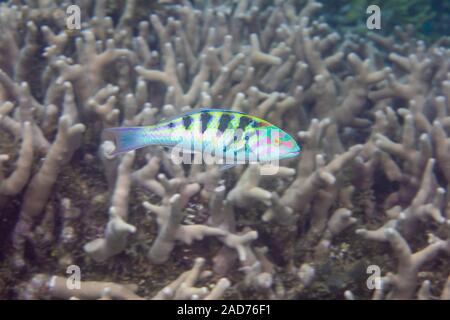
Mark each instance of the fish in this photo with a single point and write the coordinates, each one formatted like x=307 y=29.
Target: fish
x=227 y=137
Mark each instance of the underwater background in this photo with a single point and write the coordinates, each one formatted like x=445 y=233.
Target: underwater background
x=362 y=213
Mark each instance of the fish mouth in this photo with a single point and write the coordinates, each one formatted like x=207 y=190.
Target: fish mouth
x=291 y=154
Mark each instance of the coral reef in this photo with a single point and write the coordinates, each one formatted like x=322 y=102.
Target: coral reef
x=370 y=187
x=427 y=17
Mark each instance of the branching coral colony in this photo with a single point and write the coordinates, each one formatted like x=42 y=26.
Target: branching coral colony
x=370 y=187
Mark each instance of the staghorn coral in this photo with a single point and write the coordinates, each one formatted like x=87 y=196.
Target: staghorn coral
x=370 y=112
x=43 y=286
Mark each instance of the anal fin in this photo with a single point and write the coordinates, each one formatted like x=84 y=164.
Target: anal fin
x=227 y=166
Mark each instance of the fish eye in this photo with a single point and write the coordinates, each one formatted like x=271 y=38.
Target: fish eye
x=277 y=141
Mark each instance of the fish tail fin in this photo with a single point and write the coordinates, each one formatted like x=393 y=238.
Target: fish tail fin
x=128 y=138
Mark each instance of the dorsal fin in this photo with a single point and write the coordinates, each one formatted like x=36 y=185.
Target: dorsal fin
x=194 y=111
x=198 y=110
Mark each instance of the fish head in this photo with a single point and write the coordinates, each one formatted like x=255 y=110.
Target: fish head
x=287 y=145
x=276 y=144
